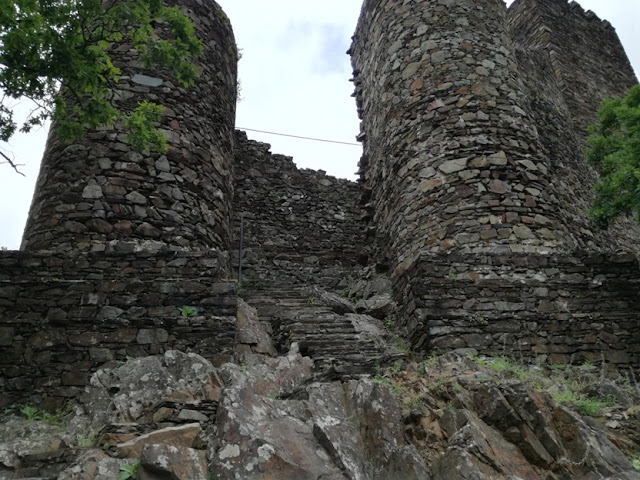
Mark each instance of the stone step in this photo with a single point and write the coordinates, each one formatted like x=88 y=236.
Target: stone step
x=328 y=338
x=322 y=329
x=14 y=477
x=334 y=338
x=336 y=352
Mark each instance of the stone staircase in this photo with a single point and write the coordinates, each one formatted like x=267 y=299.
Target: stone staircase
x=333 y=340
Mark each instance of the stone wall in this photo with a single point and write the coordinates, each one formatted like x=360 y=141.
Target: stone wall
x=587 y=56
x=452 y=157
x=61 y=318
x=476 y=183
x=299 y=225
x=569 y=61
x=569 y=309
x=97 y=194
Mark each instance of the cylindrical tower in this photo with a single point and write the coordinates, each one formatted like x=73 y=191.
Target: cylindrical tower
x=452 y=159
x=99 y=195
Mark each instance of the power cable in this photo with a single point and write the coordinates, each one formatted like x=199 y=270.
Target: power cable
x=300 y=137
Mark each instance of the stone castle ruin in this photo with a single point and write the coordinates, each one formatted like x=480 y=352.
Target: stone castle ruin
x=470 y=204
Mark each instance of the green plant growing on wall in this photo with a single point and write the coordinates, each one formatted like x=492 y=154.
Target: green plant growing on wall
x=402 y=346
x=390 y=320
x=46 y=44
x=615 y=154
x=244 y=286
x=187 y=311
x=636 y=463
x=35 y=414
x=479 y=320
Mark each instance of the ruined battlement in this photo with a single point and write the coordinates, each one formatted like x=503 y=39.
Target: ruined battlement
x=471 y=200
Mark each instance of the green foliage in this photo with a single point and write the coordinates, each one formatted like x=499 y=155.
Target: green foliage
x=245 y=286
x=432 y=360
x=46 y=44
x=33 y=413
x=402 y=346
x=396 y=367
x=386 y=378
x=479 y=320
x=142 y=134
x=128 y=471
x=615 y=154
x=589 y=406
x=187 y=311
x=636 y=463
x=390 y=320
x=504 y=365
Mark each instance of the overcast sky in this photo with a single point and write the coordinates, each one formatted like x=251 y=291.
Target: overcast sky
x=294 y=75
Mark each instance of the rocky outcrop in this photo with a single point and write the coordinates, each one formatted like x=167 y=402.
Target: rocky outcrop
x=263 y=416
x=326 y=430
x=496 y=419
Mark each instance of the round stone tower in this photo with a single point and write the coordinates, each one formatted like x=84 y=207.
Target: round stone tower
x=452 y=160
x=99 y=195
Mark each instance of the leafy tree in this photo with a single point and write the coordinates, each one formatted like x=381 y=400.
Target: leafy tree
x=615 y=154
x=57 y=53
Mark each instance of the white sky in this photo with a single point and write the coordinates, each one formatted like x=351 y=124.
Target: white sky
x=294 y=74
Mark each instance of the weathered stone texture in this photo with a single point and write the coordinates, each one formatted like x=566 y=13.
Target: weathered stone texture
x=473 y=137
x=588 y=59
x=569 y=61
x=298 y=223
x=531 y=307
x=61 y=318
x=452 y=159
x=97 y=191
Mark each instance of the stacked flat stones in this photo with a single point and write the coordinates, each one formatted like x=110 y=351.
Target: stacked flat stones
x=472 y=151
x=453 y=158
x=570 y=60
x=99 y=195
x=291 y=212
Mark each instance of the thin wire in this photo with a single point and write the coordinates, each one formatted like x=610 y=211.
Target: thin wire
x=300 y=137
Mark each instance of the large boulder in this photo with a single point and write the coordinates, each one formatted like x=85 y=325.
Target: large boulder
x=274 y=421
x=169 y=462
x=132 y=392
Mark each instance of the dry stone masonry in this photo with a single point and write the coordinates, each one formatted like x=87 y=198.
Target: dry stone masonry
x=98 y=195
x=299 y=225
x=472 y=128
x=61 y=318
x=469 y=212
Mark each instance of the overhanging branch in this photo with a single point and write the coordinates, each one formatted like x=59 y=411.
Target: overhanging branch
x=12 y=163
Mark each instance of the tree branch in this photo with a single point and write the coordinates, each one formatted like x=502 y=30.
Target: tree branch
x=10 y=162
